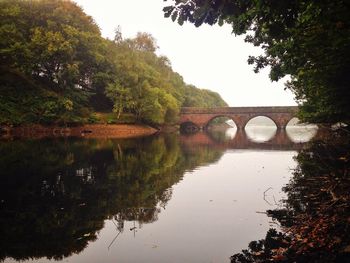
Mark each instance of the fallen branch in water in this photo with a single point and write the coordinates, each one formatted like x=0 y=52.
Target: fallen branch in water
x=264 y=197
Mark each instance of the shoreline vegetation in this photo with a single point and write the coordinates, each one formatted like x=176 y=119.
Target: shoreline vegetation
x=314 y=219
x=57 y=70
x=59 y=77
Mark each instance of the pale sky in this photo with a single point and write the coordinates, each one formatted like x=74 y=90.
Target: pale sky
x=208 y=57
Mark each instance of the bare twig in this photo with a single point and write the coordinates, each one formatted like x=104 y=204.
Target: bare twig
x=265 y=195
x=115 y=236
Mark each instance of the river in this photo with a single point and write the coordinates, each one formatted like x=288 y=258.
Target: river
x=164 y=198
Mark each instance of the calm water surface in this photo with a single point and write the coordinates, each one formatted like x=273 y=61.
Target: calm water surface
x=195 y=198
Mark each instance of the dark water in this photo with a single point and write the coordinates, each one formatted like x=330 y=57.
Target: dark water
x=171 y=198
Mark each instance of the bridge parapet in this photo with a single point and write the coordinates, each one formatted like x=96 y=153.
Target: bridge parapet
x=200 y=117
x=230 y=110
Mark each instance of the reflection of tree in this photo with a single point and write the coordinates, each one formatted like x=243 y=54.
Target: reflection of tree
x=56 y=194
x=198 y=155
x=316 y=217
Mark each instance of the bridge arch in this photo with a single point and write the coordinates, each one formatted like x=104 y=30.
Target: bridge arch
x=211 y=119
x=294 y=127
x=240 y=115
x=280 y=120
x=251 y=118
x=293 y=121
x=189 y=127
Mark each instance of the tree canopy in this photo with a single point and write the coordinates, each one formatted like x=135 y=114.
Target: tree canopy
x=57 y=68
x=306 y=40
x=52 y=41
x=146 y=85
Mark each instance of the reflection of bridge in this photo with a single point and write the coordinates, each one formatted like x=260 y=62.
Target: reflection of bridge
x=200 y=117
x=280 y=141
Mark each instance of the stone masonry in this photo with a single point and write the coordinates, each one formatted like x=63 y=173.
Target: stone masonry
x=200 y=117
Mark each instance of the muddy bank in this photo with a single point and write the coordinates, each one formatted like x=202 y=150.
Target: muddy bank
x=84 y=131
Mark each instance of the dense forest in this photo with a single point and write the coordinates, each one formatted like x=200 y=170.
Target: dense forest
x=56 y=68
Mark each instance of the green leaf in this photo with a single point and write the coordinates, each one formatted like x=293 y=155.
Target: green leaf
x=174 y=16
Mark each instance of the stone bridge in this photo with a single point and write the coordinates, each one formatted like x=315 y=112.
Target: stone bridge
x=199 y=118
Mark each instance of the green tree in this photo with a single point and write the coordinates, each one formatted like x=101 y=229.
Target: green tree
x=51 y=53
x=55 y=42
x=308 y=40
x=143 y=42
x=147 y=86
x=120 y=96
x=56 y=68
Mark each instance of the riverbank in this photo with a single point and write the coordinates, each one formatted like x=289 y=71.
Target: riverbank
x=314 y=219
x=83 y=131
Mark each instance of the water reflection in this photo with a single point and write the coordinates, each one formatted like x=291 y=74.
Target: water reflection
x=57 y=196
x=230 y=133
x=260 y=133
x=317 y=209
x=263 y=134
x=223 y=139
x=299 y=134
